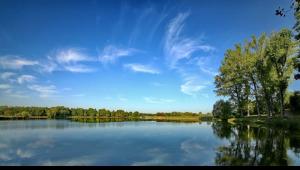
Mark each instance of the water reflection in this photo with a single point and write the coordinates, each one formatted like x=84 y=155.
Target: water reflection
x=63 y=142
x=256 y=145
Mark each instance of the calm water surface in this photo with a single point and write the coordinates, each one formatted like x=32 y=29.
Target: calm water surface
x=64 y=142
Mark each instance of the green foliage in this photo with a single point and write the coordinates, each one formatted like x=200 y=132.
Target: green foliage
x=297 y=36
x=24 y=114
x=91 y=113
x=222 y=109
x=177 y=114
x=255 y=76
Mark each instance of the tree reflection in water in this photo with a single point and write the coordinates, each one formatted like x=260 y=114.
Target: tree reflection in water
x=256 y=145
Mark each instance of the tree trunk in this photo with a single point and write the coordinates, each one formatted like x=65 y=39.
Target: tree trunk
x=238 y=102
x=267 y=98
x=271 y=105
x=256 y=96
x=248 y=112
x=281 y=103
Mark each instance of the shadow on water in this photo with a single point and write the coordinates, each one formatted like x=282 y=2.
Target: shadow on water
x=256 y=144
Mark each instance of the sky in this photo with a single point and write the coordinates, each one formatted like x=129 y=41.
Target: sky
x=139 y=55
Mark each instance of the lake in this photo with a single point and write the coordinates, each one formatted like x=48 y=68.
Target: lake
x=65 y=142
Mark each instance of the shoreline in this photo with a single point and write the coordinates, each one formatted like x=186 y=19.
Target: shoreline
x=248 y=120
x=140 y=118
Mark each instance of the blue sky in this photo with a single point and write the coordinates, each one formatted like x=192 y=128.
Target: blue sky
x=135 y=55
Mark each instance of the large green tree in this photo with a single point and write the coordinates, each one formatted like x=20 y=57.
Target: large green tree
x=258 y=73
x=281 y=52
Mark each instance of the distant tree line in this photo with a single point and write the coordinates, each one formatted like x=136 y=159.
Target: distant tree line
x=64 y=112
x=178 y=114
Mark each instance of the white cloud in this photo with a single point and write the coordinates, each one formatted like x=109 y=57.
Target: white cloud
x=177 y=47
x=7 y=75
x=68 y=60
x=23 y=154
x=5 y=157
x=44 y=91
x=43 y=141
x=77 y=161
x=202 y=63
x=208 y=71
x=180 y=55
x=78 y=68
x=191 y=146
x=157 y=100
x=157 y=157
x=190 y=87
x=111 y=53
x=4 y=86
x=15 y=94
x=49 y=67
x=15 y=62
x=25 y=78
x=71 y=55
x=141 y=68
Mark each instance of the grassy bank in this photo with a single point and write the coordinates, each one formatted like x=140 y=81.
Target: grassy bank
x=278 y=121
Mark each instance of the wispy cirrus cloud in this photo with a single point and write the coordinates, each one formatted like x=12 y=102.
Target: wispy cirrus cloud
x=111 y=54
x=25 y=78
x=140 y=20
x=193 y=82
x=50 y=66
x=156 y=157
x=190 y=87
x=71 y=55
x=70 y=60
x=180 y=52
x=4 y=86
x=78 y=68
x=141 y=68
x=44 y=91
x=176 y=46
x=7 y=75
x=11 y=92
x=157 y=100
x=16 y=62
x=202 y=63
x=24 y=154
x=208 y=71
